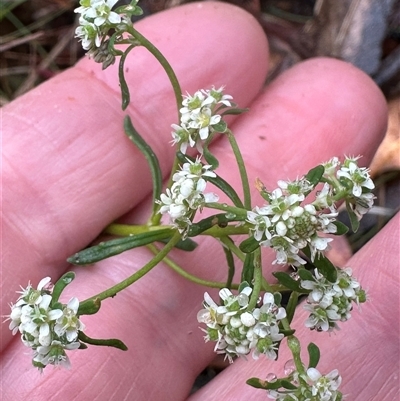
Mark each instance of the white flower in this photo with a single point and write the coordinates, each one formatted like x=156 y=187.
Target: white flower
x=218 y=96
x=194 y=103
x=30 y=296
x=267 y=344
x=89 y=34
x=261 y=223
x=320 y=318
x=194 y=170
x=324 y=387
x=54 y=354
x=69 y=324
x=182 y=136
x=199 y=116
x=234 y=303
x=280 y=205
x=298 y=187
x=323 y=198
x=357 y=176
x=99 y=11
x=330 y=167
x=187 y=194
x=36 y=318
x=346 y=284
x=203 y=121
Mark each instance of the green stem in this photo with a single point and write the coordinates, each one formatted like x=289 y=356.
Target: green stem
x=295 y=348
x=241 y=213
x=126 y=230
x=140 y=273
x=242 y=170
x=257 y=278
x=227 y=242
x=218 y=232
x=156 y=217
x=176 y=268
x=271 y=288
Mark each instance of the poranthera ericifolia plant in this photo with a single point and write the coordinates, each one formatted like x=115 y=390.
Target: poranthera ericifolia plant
x=297 y=220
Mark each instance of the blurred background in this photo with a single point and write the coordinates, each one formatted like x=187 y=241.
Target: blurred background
x=37 y=42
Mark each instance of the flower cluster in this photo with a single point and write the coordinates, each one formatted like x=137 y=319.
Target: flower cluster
x=186 y=194
x=329 y=302
x=200 y=118
x=309 y=387
x=287 y=227
x=237 y=331
x=95 y=22
x=355 y=180
x=48 y=330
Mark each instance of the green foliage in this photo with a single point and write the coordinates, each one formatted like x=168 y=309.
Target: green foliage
x=112 y=342
x=60 y=285
x=116 y=246
x=313 y=354
x=150 y=156
x=249 y=245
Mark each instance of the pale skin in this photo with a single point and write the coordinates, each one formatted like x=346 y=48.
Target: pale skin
x=68 y=171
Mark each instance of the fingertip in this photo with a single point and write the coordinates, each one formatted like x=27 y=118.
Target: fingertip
x=346 y=104
x=318 y=109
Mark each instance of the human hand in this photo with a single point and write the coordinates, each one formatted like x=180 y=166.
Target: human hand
x=69 y=171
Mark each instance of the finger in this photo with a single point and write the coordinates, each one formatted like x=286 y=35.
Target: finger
x=68 y=169
x=162 y=326
x=316 y=110
x=365 y=350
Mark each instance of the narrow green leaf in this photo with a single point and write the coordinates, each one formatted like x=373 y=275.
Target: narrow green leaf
x=341 y=228
x=288 y=385
x=116 y=246
x=248 y=268
x=227 y=189
x=291 y=305
x=234 y=111
x=219 y=182
x=111 y=342
x=277 y=298
x=187 y=244
x=150 y=156
x=59 y=286
x=355 y=223
x=249 y=245
x=126 y=97
x=221 y=219
x=305 y=274
x=285 y=279
x=323 y=264
x=314 y=355
x=230 y=261
x=326 y=268
x=258 y=383
x=210 y=158
x=315 y=174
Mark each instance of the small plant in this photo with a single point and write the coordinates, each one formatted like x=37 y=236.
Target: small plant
x=296 y=220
